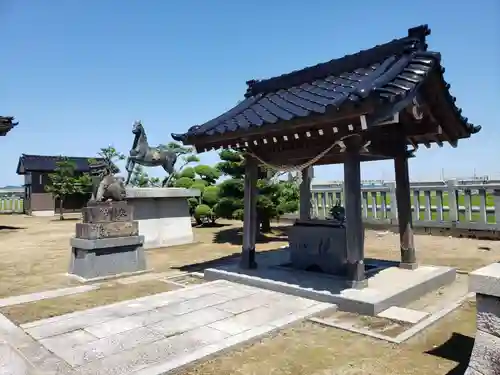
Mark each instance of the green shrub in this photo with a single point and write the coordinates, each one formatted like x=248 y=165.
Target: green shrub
x=211 y=195
x=193 y=203
x=238 y=214
x=184 y=182
x=200 y=185
x=203 y=213
x=187 y=172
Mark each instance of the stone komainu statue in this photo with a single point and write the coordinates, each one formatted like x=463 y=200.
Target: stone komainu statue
x=105 y=186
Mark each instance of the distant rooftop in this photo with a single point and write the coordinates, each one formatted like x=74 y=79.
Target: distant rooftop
x=47 y=164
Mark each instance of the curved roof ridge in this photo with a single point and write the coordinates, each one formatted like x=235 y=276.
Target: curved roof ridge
x=415 y=40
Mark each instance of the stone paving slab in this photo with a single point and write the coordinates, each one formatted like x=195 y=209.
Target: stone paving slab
x=403 y=314
x=205 y=352
x=12 y=362
x=68 y=340
x=32 y=297
x=35 y=355
x=156 y=334
x=99 y=349
x=82 y=319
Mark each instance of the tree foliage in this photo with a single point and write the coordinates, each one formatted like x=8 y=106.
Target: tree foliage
x=65 y=182
x=185 y=157
x=140 y=178
x=275 y=197
x=111 y=157
x=201 y=177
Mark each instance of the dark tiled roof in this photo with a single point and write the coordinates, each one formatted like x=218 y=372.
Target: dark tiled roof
x=6 y=124
x=389 y=71
x=42 y=163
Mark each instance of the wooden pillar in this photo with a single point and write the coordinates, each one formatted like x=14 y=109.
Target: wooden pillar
x=305 y=194
x=250 y=214
x=403 y=196
x=354 y=221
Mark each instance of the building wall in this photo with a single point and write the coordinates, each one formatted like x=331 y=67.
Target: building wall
x=40 y=203
x=38 y=182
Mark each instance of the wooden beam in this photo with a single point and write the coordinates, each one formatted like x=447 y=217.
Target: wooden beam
x=305 y=194
x=249 y=214
x=354 y=221
x=403 y=197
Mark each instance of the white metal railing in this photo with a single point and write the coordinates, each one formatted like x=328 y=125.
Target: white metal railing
x=11 y=205
x=464 y=204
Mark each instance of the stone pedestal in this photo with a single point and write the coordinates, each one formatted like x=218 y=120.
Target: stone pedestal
x=107 y=242
x=319 y=244
x=162 y=215
x=485 y=357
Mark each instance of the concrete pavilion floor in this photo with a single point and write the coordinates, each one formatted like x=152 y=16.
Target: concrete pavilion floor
x=387 y=286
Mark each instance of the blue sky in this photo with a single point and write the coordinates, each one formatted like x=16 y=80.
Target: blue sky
x=76 y=74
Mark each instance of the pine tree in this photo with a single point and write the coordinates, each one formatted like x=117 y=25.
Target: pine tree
x=65 y=182
x=275 y=197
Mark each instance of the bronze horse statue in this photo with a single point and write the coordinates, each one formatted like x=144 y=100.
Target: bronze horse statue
x=143 y=154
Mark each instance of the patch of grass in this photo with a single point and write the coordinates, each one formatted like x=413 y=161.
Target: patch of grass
x=34 y=256
x=107 y=294
x=41 y=251
x=187 y=280
x=310 y=349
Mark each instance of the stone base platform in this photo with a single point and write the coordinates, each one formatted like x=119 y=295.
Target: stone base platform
x=163 y=215
x=485 y=356
x=100 y=258
x=389 y=286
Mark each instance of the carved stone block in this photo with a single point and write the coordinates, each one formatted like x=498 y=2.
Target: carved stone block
x=484 y=357
x=107 y=212
x=318 y=246
x=488 y=314
x=93 y=231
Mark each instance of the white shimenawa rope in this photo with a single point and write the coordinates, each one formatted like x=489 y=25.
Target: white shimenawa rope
x=294 y=168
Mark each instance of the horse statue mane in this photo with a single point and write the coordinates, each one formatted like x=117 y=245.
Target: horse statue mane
x=138 y=129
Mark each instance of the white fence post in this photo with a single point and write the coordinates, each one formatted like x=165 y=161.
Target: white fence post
x=452 y=201
x=393 y=213
x=496 y=199
x=11 y=205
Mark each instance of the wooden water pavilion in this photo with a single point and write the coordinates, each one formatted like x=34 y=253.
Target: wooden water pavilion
x=380 y=103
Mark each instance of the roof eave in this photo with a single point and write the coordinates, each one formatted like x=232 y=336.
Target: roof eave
x=7 y=124
x=461 y=123
x=179 y=137
x=20 y=167
x=333 y=114
x=5 y=129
